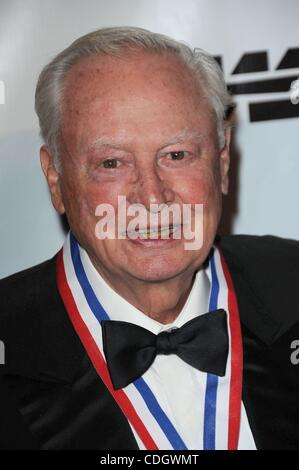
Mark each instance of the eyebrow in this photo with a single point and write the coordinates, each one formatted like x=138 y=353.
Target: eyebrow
x=182 y=136
x=119 y=143
x=103 y=141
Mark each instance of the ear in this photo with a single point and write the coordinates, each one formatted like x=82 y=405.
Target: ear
x=224 y=161
x=53 y=178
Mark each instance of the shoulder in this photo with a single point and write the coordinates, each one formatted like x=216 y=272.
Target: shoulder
x=265 y=273
x=27 y=299
x=26 y=276
x=38 y=336
x=21 y=292
x=254 y=248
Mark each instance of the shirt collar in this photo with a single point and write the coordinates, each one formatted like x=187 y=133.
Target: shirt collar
x=121 y=310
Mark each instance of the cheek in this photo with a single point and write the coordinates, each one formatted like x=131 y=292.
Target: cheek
x=200 y=188
x=83 y=198
x=78 y=202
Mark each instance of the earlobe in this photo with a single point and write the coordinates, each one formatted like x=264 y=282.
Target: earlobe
x=225 y=161
x=53 y=178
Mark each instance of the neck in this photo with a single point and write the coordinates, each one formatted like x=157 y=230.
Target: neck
x=162 y=300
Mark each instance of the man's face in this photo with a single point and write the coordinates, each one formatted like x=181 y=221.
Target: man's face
x=140 y=128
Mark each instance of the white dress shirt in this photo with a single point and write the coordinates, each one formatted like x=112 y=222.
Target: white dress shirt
x=175 y=384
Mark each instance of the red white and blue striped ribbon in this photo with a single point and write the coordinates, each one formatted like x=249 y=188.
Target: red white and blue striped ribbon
x=151 y=426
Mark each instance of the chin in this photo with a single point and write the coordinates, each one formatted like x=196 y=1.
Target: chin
x=158 y=270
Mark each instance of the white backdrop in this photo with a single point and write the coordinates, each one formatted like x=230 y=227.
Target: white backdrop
x=33 y=31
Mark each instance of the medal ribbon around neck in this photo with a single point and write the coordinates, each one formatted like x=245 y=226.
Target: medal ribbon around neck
x=222 y=401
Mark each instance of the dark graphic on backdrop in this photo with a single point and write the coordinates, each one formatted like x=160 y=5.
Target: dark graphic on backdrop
x=252 y=62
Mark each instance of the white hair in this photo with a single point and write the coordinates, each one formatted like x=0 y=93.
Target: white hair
x=116 y=42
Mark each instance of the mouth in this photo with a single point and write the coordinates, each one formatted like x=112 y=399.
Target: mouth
x=154 y=233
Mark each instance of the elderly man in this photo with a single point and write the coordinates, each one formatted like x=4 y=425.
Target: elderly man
x=136 y=341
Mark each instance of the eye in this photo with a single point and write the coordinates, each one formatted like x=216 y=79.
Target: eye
x=110 y=163
x=179 y=155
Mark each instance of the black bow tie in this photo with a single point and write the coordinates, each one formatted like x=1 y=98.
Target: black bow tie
x=130 y=349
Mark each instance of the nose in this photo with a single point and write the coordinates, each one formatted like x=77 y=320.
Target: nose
x=150 y=187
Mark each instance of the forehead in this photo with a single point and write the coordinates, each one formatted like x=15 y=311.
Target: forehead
x=126 y=96
x=139 y=64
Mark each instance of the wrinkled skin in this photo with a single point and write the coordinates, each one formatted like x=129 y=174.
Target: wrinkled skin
x=136 y=112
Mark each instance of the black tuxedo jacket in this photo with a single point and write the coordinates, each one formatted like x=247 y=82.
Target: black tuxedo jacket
x=52 y=398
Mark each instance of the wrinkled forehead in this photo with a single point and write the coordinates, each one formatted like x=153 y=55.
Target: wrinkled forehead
x=128 y=96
